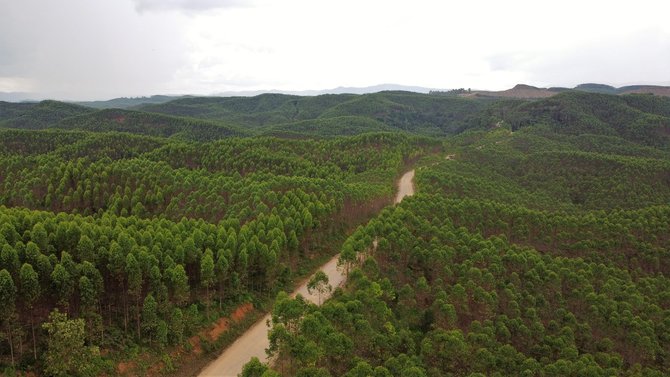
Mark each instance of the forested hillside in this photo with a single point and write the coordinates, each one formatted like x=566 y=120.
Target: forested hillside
x=529 y=251
x=211 y=118
x=412 y=112
x=638 y=118
x=37 y=115
x=149 y=239
x=537 y=244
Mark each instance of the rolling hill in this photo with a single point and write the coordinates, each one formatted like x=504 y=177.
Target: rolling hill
x=54 y=114
x=38 y=115
x=522 y=91
x=640 y=118
x=407 y=111
x=150 y=124
x=643 y=119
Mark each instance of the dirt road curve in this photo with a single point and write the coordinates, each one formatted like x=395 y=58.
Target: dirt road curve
x=255 y=340
x=405 y=186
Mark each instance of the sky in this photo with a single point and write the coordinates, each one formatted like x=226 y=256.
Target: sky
x=85 y=50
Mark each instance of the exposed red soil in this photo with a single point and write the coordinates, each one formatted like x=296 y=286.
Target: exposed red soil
x=242 y=311
x=125 y=366
x=195 y=343
x=219 y=328
x=223 y=324
x=129 y=368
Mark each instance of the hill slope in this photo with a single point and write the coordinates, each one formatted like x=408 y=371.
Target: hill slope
x=53 y=114
x=37 y=115
x=150 y=124
x=642 y=119
x=542 y=251
x=412 y=112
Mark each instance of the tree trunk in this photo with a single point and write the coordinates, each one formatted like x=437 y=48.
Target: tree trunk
x=207 y=301
x=125 y=310
x=102 y=323
x=20 y=343
x=220 y=295
x=32 y=329
x=137 y=317
x=11 y=342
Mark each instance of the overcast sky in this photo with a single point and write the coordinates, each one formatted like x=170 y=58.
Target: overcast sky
x=99 y=49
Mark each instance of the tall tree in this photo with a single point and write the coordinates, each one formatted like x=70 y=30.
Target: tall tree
x=30 y=292
x=222 y=265
x=177 y=326
x=149 y=317
x=62 y=281
x=134 y=275
x=207 y=274
x=319 y=283
x=180 y=288
x=7 y=306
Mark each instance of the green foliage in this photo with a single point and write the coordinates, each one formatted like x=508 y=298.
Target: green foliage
x=149 y=124
x=484 y=304
x=63 y=284
x=319 y=283
x=207 y=269
x=642 y=119
x=538 y=247
x=7 y=295
x=539 y=252
x=331 y=115
x=254 y=368
x=37 y=115
x=328 y=127
x=137 y=236
x=176 y=327
x=67 y=355
x=30 y=285
x=541 y=169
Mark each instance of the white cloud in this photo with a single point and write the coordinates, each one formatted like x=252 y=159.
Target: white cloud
x=640 y=57
x=16 y=84
x=83 y=49
x=187 y=5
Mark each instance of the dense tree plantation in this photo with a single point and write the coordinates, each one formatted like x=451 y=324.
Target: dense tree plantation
x=438 y=299
x=537 y=244
x=141 y=238
x=533 y=252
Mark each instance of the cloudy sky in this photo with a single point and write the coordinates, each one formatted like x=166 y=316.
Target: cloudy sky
x=84 y=49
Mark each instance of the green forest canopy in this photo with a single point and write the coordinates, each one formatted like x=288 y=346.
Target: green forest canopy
x=537 y=244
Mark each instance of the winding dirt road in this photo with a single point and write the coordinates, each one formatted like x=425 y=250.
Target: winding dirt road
x=255 y=340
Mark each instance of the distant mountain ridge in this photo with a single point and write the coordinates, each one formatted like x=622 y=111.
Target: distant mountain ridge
x=523 y=91
x=128 y=102
x=338 y=90
x=520 y=91
x=329 y=115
